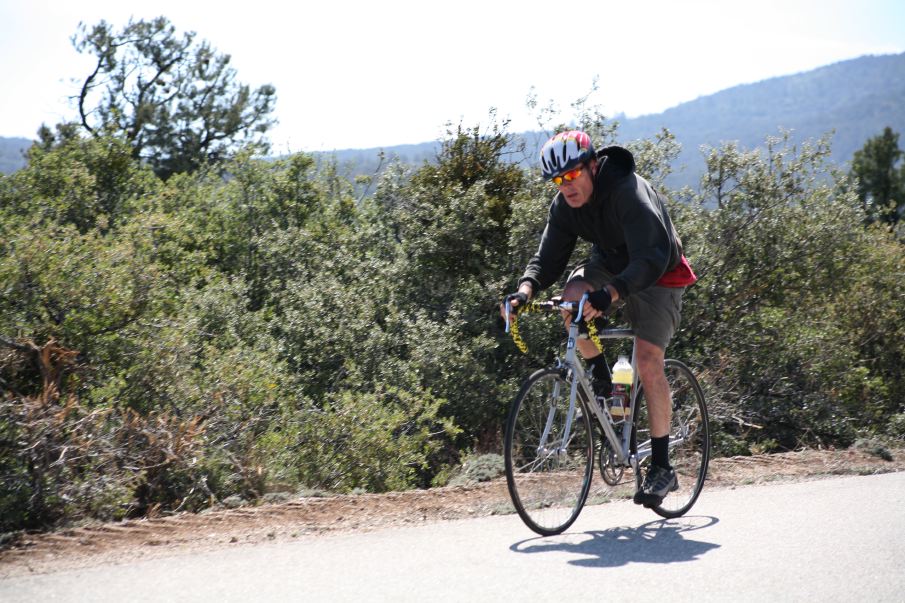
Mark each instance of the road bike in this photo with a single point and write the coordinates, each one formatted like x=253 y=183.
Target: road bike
x=550 y=443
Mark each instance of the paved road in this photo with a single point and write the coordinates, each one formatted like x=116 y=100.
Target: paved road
x=839 y=539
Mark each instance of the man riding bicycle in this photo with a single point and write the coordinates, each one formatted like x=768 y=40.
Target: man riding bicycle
x=636 y=260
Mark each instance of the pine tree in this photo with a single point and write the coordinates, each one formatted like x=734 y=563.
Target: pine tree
x=176 y=102
x=881 y=184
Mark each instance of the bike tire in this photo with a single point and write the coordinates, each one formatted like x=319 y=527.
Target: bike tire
x=548 y=482
x=689 y=436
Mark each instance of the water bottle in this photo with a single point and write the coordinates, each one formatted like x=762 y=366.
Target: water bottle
x=622 y=386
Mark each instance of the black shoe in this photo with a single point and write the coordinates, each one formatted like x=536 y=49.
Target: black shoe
x=657 y=484
x=603 y=388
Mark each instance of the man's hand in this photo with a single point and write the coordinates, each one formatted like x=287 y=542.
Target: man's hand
x=600 y=301
x=514 y=300
x=519 y=298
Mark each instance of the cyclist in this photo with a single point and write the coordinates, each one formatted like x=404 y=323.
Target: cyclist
x=636 y=260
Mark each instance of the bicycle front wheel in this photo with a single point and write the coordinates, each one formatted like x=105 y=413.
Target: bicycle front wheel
x=548 y=470
x=689 y=440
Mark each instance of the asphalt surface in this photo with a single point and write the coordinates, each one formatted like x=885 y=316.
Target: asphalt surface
x=835 y=539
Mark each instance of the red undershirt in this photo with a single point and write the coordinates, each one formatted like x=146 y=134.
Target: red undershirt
x=680 y=276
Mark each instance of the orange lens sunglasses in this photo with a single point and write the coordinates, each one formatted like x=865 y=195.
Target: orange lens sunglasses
x=567 y=177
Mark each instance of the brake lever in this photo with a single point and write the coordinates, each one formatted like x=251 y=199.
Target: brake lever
x=581 y=303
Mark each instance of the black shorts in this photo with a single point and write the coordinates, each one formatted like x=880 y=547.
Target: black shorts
x=653 y=313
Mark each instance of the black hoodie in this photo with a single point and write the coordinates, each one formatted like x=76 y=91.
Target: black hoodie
x=625 y=220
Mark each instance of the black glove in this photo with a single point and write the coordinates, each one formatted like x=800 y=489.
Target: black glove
x=520 y=297
x=600 y=299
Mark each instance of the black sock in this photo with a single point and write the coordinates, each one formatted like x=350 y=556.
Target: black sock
x=599 y=369
x=659 y=452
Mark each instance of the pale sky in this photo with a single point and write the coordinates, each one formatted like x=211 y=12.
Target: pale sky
x=360 y=74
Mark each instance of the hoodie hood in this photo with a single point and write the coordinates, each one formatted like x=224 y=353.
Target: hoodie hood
x=613 y=164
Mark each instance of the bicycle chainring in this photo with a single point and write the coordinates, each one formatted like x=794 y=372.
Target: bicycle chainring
x=609 y=470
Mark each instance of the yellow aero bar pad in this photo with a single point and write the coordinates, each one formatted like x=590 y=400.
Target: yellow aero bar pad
x=536 y=307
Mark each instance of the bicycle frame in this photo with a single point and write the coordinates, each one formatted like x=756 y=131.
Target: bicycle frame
x=571 y=363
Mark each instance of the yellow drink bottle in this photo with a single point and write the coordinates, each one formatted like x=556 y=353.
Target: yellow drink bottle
x=622 y=386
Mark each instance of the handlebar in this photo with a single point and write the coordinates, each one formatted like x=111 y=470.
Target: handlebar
x=556 y=304
x=551 y=305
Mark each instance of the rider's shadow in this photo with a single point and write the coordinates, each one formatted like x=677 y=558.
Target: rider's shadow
x=654 y=542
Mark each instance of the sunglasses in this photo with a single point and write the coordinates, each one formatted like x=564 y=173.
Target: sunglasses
x=568 y=176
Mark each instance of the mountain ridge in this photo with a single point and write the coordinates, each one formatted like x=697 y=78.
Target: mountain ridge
x=853 y=99
x=11 y=153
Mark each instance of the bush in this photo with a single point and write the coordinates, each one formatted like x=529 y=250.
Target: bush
x=874 y=447
x=795 y=314
x=64 y=462
x=378 y=441
x=479 y=468
x=896 y=427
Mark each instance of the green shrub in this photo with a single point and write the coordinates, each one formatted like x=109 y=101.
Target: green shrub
x=896 y=426
x=376 y=441
x=873 y=447
x=479 y=468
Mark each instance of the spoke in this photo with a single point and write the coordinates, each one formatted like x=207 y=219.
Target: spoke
x=548 y=476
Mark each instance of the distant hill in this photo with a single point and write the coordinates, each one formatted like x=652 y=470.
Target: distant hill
x=11 y=150
x=856 y=99
x=367 y=162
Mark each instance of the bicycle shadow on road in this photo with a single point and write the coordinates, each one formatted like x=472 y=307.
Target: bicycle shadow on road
x=659 y=541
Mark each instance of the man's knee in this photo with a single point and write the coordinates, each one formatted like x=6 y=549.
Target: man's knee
x=650 y=358
x=572 y=292
x=575 y=289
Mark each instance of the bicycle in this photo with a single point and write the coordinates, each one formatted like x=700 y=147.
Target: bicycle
x=549 y=444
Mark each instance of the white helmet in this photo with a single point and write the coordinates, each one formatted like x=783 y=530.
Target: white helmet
x=564 y=152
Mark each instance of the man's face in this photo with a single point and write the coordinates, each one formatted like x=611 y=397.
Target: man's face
x=579 y=191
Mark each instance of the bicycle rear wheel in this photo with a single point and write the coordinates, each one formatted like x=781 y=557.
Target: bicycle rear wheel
x=548 y=476
x=689 y=440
